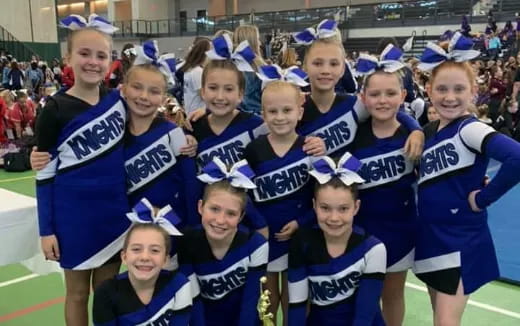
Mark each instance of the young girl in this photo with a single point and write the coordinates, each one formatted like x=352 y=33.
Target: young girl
x=81 y=197
x=388 y=211
x=327 y=115
x=154 y=164
x=145 y=294
x=454 y=253
x=283 y=193
x=225 y=261
x=336 y=271
x=192 y=69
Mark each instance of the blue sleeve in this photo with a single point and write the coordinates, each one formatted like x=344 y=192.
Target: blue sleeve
x=254 y=219
x=192 y=190
x=181 y=318
x=409 y=86
x=248 y=313
x=506 y=151
x=367 y=301
x=347 y=83
x=306 y=218
x=45 y=197
x=298 y=284
x=257 y=269
x=197 y=313
x=408 y=122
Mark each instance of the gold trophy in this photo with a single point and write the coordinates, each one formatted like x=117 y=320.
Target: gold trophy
x=263 y=305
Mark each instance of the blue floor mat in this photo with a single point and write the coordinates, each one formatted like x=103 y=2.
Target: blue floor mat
x=504 y=222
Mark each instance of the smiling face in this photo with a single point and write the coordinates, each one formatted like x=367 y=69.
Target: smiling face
x=281 y=108
x=383 y=95
x=144 y=91
x=451 y=92
x=335 y=210
x=89 y=56
x=324 y=64
x=221 y=91
x=145 y=254
x=221 y=211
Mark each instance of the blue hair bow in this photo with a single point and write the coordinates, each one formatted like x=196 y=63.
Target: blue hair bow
x=75 y=22
x=149 y=53
x=239 y=175
x=325 y=169
x=390 y=61
x=293 y=75
x=165 y=217
x=459 y=50
x=242 y=57
x=325 y=29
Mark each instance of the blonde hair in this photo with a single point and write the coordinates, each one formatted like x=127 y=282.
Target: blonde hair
x=334 y=40
x=278 y=86
x=250 y=34
x=147 y=67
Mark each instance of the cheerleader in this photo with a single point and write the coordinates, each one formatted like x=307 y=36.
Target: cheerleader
x=146 y=294
x=454 y=252
x=388 y=211
x=81 y=197
x=283 y=192
x=336 y=271
x=226 y=262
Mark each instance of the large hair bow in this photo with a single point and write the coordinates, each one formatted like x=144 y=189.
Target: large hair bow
x=293 y=75
x=325 y=29
x=149 y=53
x=389 y=61
x=239 y=175
x=325 y=169
x=459 y=50
x=165 y=218
x=75 y=22
x=242 y=57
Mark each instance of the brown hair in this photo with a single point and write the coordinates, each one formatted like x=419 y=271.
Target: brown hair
x=288 y=58
x=149 y=226
x=224 y=185
x=250 y=34
x=336 y=183
x=226 y=65
x=396 y=74
x=73 y=34
x=197 y=54
x=147 y=67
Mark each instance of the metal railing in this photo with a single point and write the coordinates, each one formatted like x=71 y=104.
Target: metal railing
x=13 y=46
x=408 y=13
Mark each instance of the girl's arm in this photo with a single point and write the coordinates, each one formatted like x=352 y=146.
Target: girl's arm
x=46 y=138
x=298 y=283
x=485 y=140
x=370 y=286
x=257 y=269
